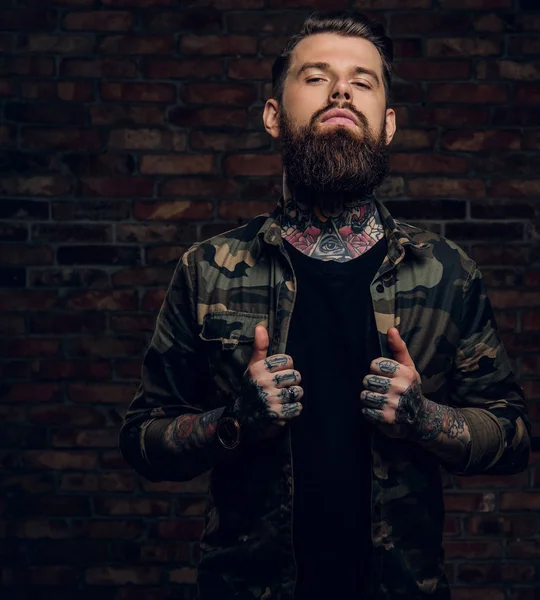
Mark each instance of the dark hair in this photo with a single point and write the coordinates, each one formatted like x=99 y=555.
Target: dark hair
x=346 y=23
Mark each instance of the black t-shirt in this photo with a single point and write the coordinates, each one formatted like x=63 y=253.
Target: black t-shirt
x=332 y=340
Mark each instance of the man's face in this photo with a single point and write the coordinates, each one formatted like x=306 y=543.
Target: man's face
x=345 y=154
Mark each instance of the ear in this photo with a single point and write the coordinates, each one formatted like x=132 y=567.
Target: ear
x=390 y=125
x=271 y=117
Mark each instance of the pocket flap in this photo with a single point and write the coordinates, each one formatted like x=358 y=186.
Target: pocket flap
x=231 y=327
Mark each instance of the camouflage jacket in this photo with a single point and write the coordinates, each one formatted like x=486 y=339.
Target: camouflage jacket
x=222 y=288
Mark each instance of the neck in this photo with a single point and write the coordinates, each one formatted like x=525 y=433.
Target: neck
x=340 y=235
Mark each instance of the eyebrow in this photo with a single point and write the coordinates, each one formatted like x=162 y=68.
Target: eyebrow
x=323 y=66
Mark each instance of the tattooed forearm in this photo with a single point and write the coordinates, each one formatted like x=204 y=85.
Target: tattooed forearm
x=189 y=432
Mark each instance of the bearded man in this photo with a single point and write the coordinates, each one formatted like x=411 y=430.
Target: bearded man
x=325 y=360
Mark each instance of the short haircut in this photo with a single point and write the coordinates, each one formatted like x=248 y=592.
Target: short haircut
x=346 y=23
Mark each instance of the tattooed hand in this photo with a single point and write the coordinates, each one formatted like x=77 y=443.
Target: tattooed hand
x=393 y=400
x=270 y=391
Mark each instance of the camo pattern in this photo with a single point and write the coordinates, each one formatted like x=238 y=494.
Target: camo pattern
x=223 y=287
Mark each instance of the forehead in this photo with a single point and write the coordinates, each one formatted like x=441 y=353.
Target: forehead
x=338 y=50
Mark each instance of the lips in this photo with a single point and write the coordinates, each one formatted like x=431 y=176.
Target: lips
x=340 y=115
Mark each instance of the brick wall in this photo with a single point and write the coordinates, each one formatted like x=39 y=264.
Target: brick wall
x=132 y=128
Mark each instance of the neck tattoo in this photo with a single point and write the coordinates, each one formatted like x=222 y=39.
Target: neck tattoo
x=339 y=237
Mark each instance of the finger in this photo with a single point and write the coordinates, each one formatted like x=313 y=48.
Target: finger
x=289 y=411
x=374 y=416
x=385 y=366
x=399 y=348
x=374 y=400
x=278 y=362
x=260 y=345
x=376 y=383
x=286 y=378
x=290 y=394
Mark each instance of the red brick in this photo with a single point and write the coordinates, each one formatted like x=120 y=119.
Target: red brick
x=166 y=68
x=223 y=142
x=58 y=44
x=108 y=529
x=472 y=549
x=85 y=438
x=144 y=276
x=475 y=4
x=253 y=164
x=250 y=68
x=427 y=163
x=489 y=22
x=112 y=459
x=497 y=525
x=138 y=92
x=98 y=20
x=97 y=68
x=71 y=233
x=501 y=254
x=177 y=164
x=28 y=66
x=57 y=113
x=506 y=69
x=472 y=93
x=59 y=460
x=129 y=369
x=67 y=91
x=208 y=117
x=171 y=211
x=153 y=299
x=524 y=549
x=110 y=255
x=163 y=255
x=27 y=300
x=519 y=501
x=436 y=187
x=526 y=93
x=238 y=209
x=428 y=22
x=467 y=502
x=12 y=325
x=61 y=139
x=147 y=139
x=150 y=233
x=35 y=186
x=17 y=19
x=31 y=392
x=391 y=4
x=478 y=593
x=124 y=114
x=516 y=188
x=25 y=255
x=501 y=231
x=194 y=186
x=63 y=369
x=131 y=506
x=100 y=393
x=68 y=415
x=530 y=365
x=180 y=530
x=483 y=482
x=7 y=88
x=481 y=573
x=489 y=208
x=473 y=141
x=413 y=139
x=122 y=575
x=137 y=44
x=190 y=506
x=50 y=575
x=433 y=69
x=105 y=347
x=524 y=45
x=183 y=575
x=116 y=186
x=36 y=529
x=218 y=44
x=69 y=277
x=219 y=93
x=468 y=46
x=106 y=300
x=164 y=553
x=176 y=21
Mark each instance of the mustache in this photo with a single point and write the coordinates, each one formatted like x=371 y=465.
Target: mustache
x=359 y=115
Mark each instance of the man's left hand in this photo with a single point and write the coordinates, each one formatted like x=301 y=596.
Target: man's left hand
x=392 y=395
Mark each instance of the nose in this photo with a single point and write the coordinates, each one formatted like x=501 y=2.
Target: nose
x=341 y=91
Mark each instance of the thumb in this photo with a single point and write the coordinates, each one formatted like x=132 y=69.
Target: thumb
x=399 y=348
x=260 y=345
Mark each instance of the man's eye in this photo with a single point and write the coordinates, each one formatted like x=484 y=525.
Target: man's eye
x=314 y=79
x=360 y=84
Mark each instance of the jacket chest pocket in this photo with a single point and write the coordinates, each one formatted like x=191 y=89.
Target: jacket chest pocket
x=229 y=337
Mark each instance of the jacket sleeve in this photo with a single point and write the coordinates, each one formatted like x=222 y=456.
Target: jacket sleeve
x=485 y=389
x=174 y=381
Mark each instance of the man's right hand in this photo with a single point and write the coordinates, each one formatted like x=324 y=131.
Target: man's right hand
x=270 y=391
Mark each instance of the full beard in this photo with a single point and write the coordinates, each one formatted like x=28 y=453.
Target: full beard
x=330 y=169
